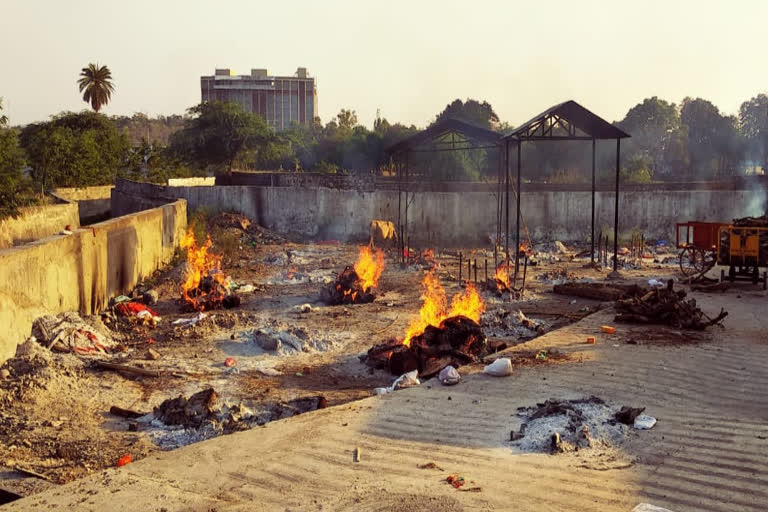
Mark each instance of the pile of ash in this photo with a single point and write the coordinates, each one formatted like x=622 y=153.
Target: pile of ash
x=287 y=339
x=181 y=421
x=501 y=322
x=562 y=426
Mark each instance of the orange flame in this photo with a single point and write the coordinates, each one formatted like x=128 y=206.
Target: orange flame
x=435 y=307
x=200 y=264
x=502 y=275
x=369 y=268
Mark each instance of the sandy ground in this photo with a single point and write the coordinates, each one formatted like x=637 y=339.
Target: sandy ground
x=55 y=421
x=706 y=453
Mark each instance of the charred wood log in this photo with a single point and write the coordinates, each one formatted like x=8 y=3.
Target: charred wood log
x=347 y=289
x=665 y=306
x=599 y=291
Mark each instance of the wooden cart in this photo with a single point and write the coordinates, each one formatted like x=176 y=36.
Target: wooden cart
x=698 y=244
x=744 y=250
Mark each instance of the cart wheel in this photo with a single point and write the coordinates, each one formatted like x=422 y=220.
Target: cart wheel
x=688 y=261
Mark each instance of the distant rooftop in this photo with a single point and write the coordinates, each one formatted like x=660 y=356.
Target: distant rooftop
x=257 y=74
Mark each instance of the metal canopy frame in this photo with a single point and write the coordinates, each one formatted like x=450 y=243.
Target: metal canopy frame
x=446 y=135
x=565 y=121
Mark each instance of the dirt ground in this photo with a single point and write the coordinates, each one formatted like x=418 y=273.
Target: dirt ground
x=56 y=425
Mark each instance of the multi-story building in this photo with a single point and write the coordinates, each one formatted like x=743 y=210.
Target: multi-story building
x=280 y=100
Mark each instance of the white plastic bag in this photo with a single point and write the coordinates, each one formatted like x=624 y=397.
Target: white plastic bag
x=406 y=380
x=448 y=376
x=644 y=422
x=501 y=367
x=647 y=507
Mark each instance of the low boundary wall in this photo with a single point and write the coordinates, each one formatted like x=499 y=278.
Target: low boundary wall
x=82 y=271
x=37 y=222
x=455 y=218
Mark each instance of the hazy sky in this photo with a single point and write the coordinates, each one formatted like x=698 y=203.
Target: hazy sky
x=406 y=58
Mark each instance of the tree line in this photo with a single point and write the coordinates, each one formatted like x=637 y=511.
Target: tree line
x=689 y=141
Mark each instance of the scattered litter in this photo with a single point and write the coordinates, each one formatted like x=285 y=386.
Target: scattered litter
x=560 y=247
x=647 y=507
x=406 y=380
x=230 y=362
x=430 y=465
x=644 y=422
x=137 y=310
x=448 y=376
x=608 y=329
x=501 y=367
x=65 y=232
x=655 y=283
x=303 y=308
x=68 y=332
x=541 y=355
x=455 y=480
x=150 y=297
x=591 y=340
x=125 y=459
x=190 y=321
x=357 y=454
x=121 y=298
x=246 y=288
x=152 y=354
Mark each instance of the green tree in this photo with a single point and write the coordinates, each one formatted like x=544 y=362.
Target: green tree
x=96 y=85
x=713 y=139
x=3 y=117
x=654 y=125
x=753 y=124
x=218 y=133
x=75 y=150
x=472 y=112
x=15 y=190
x=347 y=119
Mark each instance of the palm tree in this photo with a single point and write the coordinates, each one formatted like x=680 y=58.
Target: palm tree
x=96 y=81
x=3 y=119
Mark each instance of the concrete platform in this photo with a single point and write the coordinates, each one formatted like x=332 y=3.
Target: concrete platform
x=709 y=450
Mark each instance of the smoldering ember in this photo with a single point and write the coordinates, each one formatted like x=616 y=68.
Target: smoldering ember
x=247 y=308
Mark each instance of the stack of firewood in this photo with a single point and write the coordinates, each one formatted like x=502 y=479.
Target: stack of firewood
x=665 y=306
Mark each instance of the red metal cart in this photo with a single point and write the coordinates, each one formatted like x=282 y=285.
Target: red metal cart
x=698 y=242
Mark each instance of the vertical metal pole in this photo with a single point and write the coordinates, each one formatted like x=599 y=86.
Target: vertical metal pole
x=407 y=236
x=399 y=170
x=461 y=264
x=506 y=236
x=475 y=270
x=517 y=235
x=593 y=201
x=616 y=212
x=469 y=269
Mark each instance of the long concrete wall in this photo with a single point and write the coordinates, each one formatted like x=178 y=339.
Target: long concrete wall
x=93 y=202
x=455 y=218
x=37 y=222
x=82 y=271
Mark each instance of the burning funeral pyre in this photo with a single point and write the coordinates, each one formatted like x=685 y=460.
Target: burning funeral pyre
x=205 y=286
x=439 y=336
x=354 y=285
x=501 y=283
